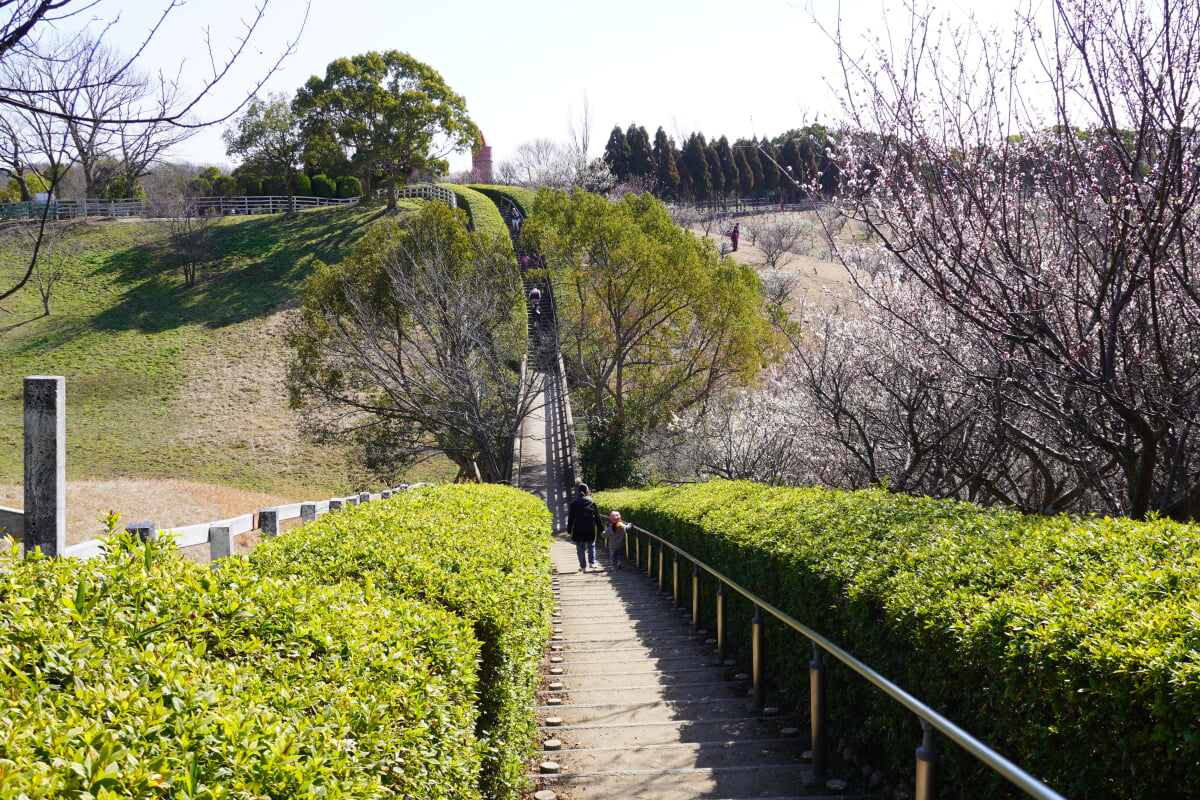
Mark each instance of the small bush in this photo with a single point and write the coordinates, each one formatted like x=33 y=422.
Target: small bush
x=249 y=185
x=301 y=185
x=224 y=186
x=323 y=186
x=275 y=185
x=349 y=186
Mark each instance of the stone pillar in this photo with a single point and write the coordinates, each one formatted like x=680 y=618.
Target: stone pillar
x=146 y=531
x=308 y=512
x=364 y=497
x=220 y=542
x=45 y=464
x=268 y=522
x=335 y=504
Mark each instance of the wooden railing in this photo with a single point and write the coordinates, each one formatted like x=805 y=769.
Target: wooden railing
x=641 y=545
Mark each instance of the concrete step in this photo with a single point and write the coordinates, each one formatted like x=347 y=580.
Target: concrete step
x=675 y=784
x=671 y=731
x=617 y=713
x=680 y=755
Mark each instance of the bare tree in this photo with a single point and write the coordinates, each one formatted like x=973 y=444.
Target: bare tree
x=22 y=39
x=187 y=231
x=408 y=348
x=777 y=236
x=1058 y=226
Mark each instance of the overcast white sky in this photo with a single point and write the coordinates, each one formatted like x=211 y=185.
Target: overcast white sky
x=525 y=67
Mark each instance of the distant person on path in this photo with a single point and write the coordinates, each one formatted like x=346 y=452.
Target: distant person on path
x=535 y=298
x=584 y=523
x=616 y=538
x=733 y=236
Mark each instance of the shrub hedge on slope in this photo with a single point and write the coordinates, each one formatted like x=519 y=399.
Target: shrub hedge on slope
x=482 y=214
x=520 y=196
x=1071 y=644
x=144 y=675
x=479 y=552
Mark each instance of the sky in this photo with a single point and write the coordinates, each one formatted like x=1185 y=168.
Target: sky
x=529 y=68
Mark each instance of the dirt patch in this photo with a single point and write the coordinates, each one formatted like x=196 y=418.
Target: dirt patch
x=168 y=503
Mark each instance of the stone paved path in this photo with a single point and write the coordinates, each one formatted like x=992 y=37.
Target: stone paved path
x=643 y=709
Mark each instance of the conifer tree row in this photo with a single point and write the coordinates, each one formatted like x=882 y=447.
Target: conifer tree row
x=698 y=169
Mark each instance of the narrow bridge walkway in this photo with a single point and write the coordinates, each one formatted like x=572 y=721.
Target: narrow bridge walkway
x=634 y=703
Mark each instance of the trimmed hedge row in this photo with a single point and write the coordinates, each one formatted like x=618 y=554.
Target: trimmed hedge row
x=479 y=552
x=1071 y=644
x=482 y=214
x=519 y=195
x=144 y=675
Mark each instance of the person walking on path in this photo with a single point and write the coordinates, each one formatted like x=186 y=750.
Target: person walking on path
x=734 y=235
x=616 y=538
x=584 y=523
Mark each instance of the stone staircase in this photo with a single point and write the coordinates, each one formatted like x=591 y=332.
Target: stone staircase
x=635 y=704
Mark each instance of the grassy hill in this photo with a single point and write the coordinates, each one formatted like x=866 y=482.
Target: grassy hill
x=166 y=381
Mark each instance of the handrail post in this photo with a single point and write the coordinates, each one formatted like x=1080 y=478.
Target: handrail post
x=927 y=755
x=662 y=566
x=695 y=595
x=637 y=552
x=675 y=576
x=649 y=557
x=816 y=691
x=721 y=620
x=758 y=661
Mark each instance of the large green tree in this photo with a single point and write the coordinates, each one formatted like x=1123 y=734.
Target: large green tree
x=389 y=113
x=407 y=347
x=267 y=138
x=653 y=320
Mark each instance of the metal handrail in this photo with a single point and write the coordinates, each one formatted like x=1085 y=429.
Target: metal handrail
x=928 y=716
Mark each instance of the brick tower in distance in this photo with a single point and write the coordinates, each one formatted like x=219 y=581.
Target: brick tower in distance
x=481 y=162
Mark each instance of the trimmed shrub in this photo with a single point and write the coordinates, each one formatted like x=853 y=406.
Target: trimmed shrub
x=523 y=198
x=301 y=185
x=200 y=187
x=275 y=185
x=144 y=675
x=249 y=185
x=323 y=186
x=482 y=214
x=349 y=186
x=224 y=186
x=1070 y=644
x=480 y=552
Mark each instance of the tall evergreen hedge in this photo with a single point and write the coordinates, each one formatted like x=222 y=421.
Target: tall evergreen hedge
x=1070 y=644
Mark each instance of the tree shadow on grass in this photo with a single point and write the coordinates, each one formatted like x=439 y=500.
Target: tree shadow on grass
x=257 y=265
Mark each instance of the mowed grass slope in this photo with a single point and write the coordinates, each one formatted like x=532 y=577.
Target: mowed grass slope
x=167 y=381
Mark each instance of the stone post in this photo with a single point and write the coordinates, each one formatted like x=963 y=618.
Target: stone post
x=308 y=513
x=335 y=504
x=146 y=531
x=45 y=464
x=268 y=522
x=220 y=542
x=364 y=497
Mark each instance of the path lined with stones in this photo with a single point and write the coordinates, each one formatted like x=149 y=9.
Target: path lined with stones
x=634 y=703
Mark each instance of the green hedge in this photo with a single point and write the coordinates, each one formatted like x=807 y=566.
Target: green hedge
x=144 y=675
x=1072 y=645
x=482 y=214
x=480 y=552
x=522 y=197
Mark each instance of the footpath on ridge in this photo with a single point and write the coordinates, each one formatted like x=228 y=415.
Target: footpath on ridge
x=634 y=703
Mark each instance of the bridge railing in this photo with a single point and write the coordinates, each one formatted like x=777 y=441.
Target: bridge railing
x=641 y=545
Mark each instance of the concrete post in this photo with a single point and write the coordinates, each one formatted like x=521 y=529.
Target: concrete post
x=352 y=501
x=146 y=531
x=220 y=542
x=335 y=504
x=364 y=497
x=385 y=494
x=268 y=522
x=308 y=512
x=45 y=464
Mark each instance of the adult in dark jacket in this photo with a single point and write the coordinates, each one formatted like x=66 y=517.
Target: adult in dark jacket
x=584 y=523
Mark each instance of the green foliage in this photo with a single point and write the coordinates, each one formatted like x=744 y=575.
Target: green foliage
x=349 y=186
x=275 y=185
x=523 y=198
x=1067 y=643
x=445 y=308
x=652 y=318
x=322 y=186
x=225 y=186
x=199 y=187
x=249 y=184
x=144 y=675
x=479 y=552
x=301 y=185
x=482 y=214
x=384 y=111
